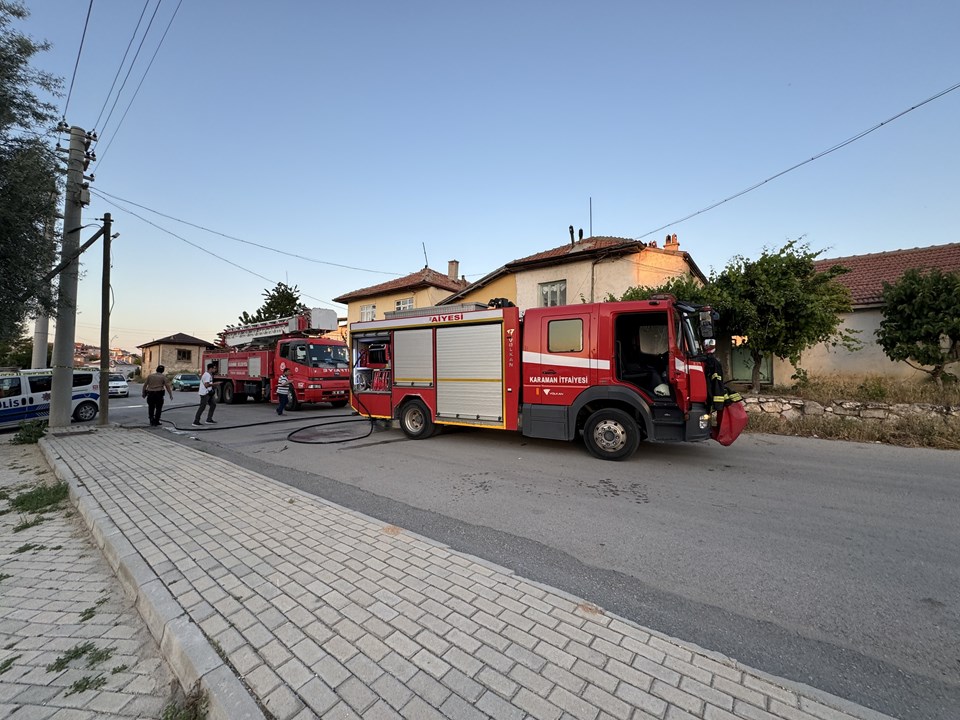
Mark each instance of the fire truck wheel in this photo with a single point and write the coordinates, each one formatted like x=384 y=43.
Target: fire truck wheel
x=293 y=404
x=226 y=393
x=611 y=434
x=415 y=420
x=339 y=403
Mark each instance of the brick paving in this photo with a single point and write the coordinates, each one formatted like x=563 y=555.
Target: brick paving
x=60 y=598
x=283 y=605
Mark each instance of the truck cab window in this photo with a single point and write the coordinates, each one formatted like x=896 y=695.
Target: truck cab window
x=285 y=350
x=565 y=335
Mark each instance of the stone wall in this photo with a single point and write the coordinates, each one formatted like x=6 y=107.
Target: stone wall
x=790 y=408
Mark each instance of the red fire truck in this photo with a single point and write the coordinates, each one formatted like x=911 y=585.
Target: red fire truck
x=258 y=353
x=615 y=373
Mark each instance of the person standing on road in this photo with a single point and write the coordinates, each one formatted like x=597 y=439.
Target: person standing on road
x=207 y=397
x=283 y=390
x=153 y=389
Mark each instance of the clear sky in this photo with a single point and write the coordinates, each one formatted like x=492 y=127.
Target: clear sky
x=358 y=133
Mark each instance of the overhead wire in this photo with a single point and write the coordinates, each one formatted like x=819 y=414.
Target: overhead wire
x=76 y=65
x=129 y=70
x=241 y=240
x=137 y=91
x=200 y=247
x=126 y=52
x=805 y=162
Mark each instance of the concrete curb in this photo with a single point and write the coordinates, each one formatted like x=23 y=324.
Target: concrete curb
x=182 y=644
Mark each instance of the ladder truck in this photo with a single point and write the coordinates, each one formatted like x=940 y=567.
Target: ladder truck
x=256 y=354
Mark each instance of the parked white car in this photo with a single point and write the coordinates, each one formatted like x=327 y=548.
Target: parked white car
x=118 y=386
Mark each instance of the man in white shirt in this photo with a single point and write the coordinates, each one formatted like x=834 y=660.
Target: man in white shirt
x=208 y=397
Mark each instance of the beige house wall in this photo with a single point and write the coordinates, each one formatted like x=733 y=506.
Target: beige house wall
x=423 y=297
x=825 y=361
x=504 y=286
x=592 y=281
x=166 y=355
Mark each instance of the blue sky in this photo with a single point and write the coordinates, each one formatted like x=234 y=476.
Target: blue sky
x=356 y=133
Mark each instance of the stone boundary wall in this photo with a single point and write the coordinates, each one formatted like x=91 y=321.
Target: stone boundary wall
x=791 y=409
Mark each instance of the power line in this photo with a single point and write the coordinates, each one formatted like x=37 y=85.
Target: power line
x=137 y=91
x=77 y=63
x=201 y=248
x=130 y=69
x=241 y=240
x=805 y=162
x=122 y=61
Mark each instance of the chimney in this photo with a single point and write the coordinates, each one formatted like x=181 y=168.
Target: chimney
x=671 y=243
x=453 y=269
x=581 y=234
x=571 y=234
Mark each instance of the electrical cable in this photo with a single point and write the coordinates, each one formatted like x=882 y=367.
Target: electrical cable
x=199 y=247
x=129 y=70
x=241 y=240
x=133 y=37
x=77 y=63
x=805 y=162
x=137 y=91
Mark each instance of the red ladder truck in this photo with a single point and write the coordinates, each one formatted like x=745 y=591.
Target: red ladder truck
x=258 y=353
x=614 y=373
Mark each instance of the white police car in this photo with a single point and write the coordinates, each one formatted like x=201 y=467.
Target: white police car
x=25 y=395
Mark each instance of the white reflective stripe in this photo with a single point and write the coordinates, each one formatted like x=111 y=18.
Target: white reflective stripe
x=681 y=366
x=563 y=361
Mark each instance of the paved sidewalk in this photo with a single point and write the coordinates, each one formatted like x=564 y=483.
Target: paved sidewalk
x=282 y=605
x=60 y=599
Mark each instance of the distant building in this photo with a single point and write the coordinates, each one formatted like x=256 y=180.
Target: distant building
x=177 y=353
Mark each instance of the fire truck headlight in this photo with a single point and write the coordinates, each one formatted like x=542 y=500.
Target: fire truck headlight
x=704 y=421
x=316 y=386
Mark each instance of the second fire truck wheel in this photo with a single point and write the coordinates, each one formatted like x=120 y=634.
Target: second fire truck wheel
x=611 y=434
x=415 y=420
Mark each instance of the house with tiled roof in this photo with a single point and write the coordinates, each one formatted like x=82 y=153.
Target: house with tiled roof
x=177 y=353
x=583 y=270
x=423 y=288
x=865 y=281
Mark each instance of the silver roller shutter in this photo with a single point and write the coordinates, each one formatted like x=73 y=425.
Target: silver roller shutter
x=470 y=373
x=413 y=358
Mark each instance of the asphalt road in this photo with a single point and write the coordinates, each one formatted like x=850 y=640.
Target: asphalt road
x=830 y=563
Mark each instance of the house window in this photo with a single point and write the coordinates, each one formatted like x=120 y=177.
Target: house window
x=565 y=335
x=184 y=355
x=405 y=304
x=553 y=293
x=367 y=312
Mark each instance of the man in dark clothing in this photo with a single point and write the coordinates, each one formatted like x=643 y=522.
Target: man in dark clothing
x=153 y=389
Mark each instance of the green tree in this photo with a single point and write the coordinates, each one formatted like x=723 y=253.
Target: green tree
x=921 y=321
x=29 y=185
x=282 y=301
x=19 y=353
x=782 y=305
x=682 y=287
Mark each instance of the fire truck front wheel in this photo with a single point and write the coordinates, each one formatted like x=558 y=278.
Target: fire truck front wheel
x=611 y=434
x=415 y=420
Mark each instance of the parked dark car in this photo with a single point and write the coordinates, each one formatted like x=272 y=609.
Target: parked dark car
x=186 y=381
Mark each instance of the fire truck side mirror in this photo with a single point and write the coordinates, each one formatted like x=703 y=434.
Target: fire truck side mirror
x=706 y=324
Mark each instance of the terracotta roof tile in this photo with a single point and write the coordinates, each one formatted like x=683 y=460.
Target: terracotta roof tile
x=422 y=278
x=590 y=245
x=869 y=272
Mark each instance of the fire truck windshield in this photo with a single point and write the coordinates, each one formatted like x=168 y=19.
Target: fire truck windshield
x=328 y=355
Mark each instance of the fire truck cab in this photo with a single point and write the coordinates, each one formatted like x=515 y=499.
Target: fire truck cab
x=613 y=373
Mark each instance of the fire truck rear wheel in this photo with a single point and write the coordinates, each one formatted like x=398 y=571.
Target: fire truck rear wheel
x=611 y=434
x=226 y=393
x=415 y=420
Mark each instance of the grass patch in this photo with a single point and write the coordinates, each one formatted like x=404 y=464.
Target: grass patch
x=40 y=498
x=77 y=651
x=27 y=547
x=86 y=683
x=193 y=707
x=30 y=432
x=118 y=669
x=905 y=432
x=27 y=524
x=4 y=576
x=7 y=664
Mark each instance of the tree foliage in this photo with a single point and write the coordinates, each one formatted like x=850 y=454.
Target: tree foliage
x=19 y=353
x=682 y=287
x=781 y=305
x=29 y=176
x=282 y=301
x=921 y=321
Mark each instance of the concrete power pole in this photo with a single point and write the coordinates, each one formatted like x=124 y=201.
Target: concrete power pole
x=61 y=400
x=41 y=324
x=105 y=325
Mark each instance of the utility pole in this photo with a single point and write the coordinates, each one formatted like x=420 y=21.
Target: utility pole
x=61 y=395
x=105 y=326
